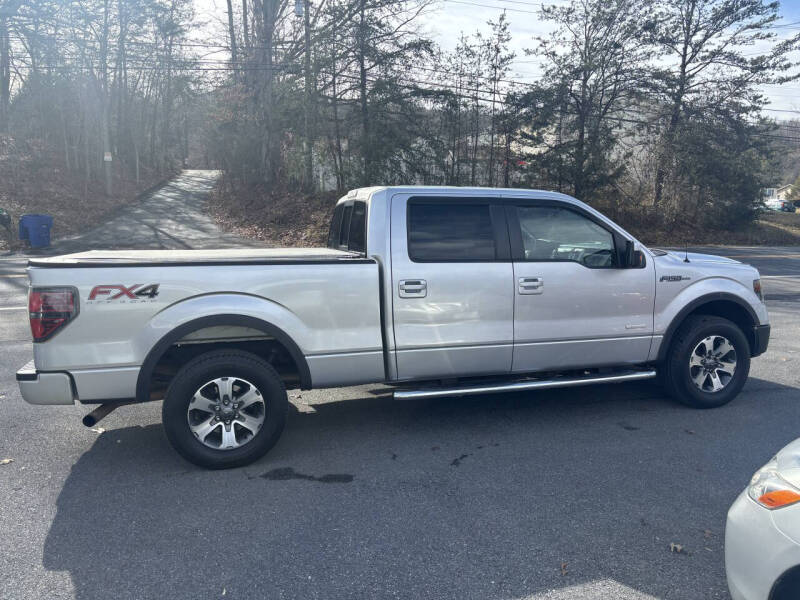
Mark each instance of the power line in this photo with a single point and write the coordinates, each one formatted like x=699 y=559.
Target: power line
x=518 y=10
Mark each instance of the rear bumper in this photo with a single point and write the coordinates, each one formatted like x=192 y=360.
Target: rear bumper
x=44 y=388
x=89 y=386
x=760 y=339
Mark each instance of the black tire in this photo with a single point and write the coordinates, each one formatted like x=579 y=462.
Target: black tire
x=205 y=368
x=676 y=370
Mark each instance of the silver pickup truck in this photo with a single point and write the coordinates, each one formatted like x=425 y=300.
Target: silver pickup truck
x=436 y=291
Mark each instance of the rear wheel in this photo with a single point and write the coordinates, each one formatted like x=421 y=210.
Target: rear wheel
x=225 y=408
x=708 y=362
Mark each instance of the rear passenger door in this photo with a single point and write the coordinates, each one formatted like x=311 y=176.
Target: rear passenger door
x=452 y=287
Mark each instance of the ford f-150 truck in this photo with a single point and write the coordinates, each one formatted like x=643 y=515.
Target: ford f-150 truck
x=436 y=291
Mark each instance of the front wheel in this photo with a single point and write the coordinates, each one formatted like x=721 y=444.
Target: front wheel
x=225 y=408
x=708 y=362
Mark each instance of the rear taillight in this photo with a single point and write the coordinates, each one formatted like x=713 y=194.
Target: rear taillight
x=50 y=310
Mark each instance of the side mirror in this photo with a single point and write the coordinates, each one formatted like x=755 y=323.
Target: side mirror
x=629 y=258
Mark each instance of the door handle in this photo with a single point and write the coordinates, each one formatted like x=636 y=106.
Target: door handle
x=413 y=288
x=531 y=285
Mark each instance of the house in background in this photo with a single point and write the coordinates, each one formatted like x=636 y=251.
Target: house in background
x=782 y=193
x=778 y=198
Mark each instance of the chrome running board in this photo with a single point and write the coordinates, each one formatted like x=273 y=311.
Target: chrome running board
x=521 y=385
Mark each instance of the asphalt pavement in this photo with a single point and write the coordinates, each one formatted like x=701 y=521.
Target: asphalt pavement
x=571 y=494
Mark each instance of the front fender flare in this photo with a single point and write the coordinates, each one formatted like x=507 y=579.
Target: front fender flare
x=694 y=305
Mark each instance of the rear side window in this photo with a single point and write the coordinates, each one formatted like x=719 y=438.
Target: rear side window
x=357 y=242
x=349 y=227
x=448 y=231
x=344 y=231
x=336 y=225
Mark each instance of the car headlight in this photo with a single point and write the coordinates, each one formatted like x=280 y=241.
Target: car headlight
x=770 y=490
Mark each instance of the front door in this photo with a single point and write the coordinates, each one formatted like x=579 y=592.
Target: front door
x=574 y=306
x=452 y=287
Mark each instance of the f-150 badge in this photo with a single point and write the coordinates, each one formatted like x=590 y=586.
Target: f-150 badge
x=674 y=278
x=135 y=292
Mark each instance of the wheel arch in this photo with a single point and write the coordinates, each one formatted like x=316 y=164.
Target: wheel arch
x=160 y=348
x=720 y=304
x=787 y=586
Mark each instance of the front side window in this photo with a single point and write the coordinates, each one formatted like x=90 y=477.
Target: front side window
x=555 y=233
x=448 y=231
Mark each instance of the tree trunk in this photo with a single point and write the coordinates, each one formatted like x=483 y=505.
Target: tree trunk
x=366 y=150
x=270 y=144
x=136 y=159
x=166 y=116
x=580 y=145
x=337 y=149
x=677 y=105
x=232 y=35
x=491 y=123
x=507 y=161
x=66 y=140
x=5 y=74
x=245 y=25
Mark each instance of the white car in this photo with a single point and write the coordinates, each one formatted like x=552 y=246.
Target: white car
x=762 y=536
x=779 y=205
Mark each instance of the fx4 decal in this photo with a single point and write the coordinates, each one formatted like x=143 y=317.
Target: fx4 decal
x=124 y=293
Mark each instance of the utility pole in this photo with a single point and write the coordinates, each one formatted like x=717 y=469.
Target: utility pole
x=308 y=117
x=104 y=126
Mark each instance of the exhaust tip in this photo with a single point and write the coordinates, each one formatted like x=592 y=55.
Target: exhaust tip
x=101 y=412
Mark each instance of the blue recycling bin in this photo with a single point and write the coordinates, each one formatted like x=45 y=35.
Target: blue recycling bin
x=36 y=229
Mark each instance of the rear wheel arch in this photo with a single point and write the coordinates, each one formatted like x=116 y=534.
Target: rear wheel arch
x=719 y=304
x=160 y=348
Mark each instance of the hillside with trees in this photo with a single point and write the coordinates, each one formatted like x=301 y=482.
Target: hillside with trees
x=650 y=111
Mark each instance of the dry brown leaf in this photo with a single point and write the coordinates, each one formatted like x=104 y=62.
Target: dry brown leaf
x=563 y=568
x=677 y=548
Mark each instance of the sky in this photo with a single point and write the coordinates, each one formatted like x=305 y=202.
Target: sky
x=447 y=19
x=454 y=16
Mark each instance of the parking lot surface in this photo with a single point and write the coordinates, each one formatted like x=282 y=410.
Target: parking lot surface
x=571 y=494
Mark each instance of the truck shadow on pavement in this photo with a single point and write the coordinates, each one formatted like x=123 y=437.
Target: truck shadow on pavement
x=561 y=494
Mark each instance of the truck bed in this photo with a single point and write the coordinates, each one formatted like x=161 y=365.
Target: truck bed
x=127 y=258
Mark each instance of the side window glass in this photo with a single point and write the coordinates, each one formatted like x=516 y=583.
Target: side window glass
x=448 y=231
x=336 y=224
x=344 y=230
x=554 y=233
x=357 y=241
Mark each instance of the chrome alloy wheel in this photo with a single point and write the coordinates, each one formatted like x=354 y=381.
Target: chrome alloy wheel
x=226 y=413
x=712 y=363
